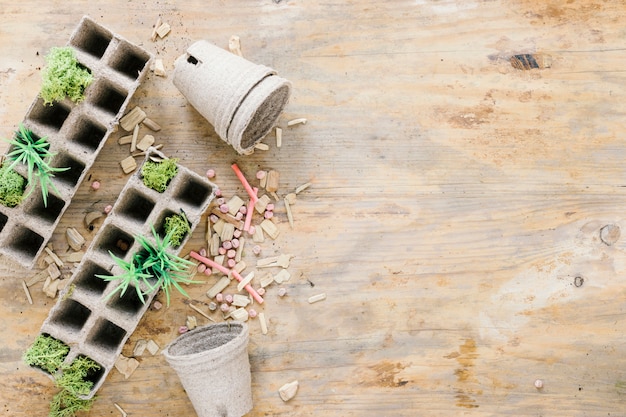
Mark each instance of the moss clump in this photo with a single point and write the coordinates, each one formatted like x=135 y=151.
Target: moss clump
x=73 y=383
x=64 y=77
x=177 y=227
x=64 y=404
x=12 y=186
x=157 y=175
x=46 y=353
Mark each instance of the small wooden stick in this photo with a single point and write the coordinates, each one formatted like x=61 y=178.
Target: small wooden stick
x=120 y=410
x=193 y=307
x=30 y=299
x=154 y=30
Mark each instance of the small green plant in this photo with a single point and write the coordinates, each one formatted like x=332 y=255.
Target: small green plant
x=12 y=186
x=155 y=266
x=157 y=175
x=46 y=353
x=36 y=155
x=73 y=382
x=63 y=76
x=177 y=227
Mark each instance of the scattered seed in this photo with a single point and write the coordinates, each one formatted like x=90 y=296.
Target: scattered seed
x=224 y=208
x=538 y=384
x=108 y=209
x=157 y=305
x=261 y=291
x=231 y=253
x=224 y=307
x=201 y=268
x=227 y=244
x=243 y=209
x=95 y=185
x=213 y=218
x=222 y=250
x=293 y=122
x=239 y=215
x=210 y=173
x=268 y=214
x=218 y=192
x=252 y=313
x=235 y=243
x=256 y=249
x=231 y=263
x=212 y=306
x=237 y=234
x=183 y=329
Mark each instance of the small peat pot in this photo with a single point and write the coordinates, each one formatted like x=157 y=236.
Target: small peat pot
x=213 y=366
x=242 y=100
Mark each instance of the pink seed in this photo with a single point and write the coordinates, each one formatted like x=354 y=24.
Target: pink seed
x=228 y=298
x=239 y=215
x=261 y=291
x=218 y=192
x=221 y=251
x=213 y=218
x=256 y=249
x=157 y=305
x=237 y=233
x=269 y=207
x=95 y=185
x=268 y=214
x=224 y=307
x=108 y=209
x=539 y=384
x=220 y=201
x=212 y=306
x=231 y=263
x=231 y=253
x=183 y=329
x=210 y=173
x=203 y=252
x=243 y=209
x=227 y=244
x=219 y=297
x=282 y=291
x=252 y=313
x=235 y=243
x=201 y=268
x=251 y=230
x=224 y=208
x=260 y=174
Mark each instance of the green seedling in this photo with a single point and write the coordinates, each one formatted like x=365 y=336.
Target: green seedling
x=46 y=353
x=36 y=155
x=177 y=227
x=132 y=276
x=12 y=186
x=63 y=76
x=157 y=175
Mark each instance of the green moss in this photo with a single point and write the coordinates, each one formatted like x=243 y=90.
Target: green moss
x=73 y=377
x=177 y=227
x=157 y=175
x=64 y=404
x=12 y=186
x=64 y=77
x=46 y=353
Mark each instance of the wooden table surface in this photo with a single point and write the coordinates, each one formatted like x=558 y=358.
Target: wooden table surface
x=454 y=201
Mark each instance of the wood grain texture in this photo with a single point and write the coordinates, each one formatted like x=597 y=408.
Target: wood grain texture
x=454 y=201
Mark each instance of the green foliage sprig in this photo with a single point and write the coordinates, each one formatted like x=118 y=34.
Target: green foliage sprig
x=157 y=175
x=154 y=266
x=36 y=155
x=63 y=76
x=177 y=227
x=64 y=404
x=12 y=186
x=46 y=353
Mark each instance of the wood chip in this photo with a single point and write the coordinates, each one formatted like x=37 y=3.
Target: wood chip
x=27 y=292
x=302 y=187
x=227 y=232
x=291 y=198
x=145 y=142
x=281 y=260
x=227 y=218
x=282 y=276
x=240 y=300
x=152 y=347
x=133 y=142
x=163 y=30
x=74 y=257
x=266 y=280
x=53 y=271
x=262 y=147
x=218 y=287
x=218 y=226
x=125 y=140
x=74 y=239
x=54 y=257
x=246 y=280
x=279 y=137
x=272 y=181
x=128 y=165
x=154 y=29
x=234 y=45
x=263 y=323
x=126 y=366
x=240 y=266
x=288 y=391
x=151 y=124
x=239 y=254
x=316 y=298
x=38 y=277
x=91 y=217
x=258 y=236
x=131 y=119
x=202 y=313
x=300 y=120
x=270 y=228
x=214 y=245
x=191 y=322
x=219 y=259
x=50 y=287
x=288 y=210
x=239 y=314
x=262 y=203
x=140 y=347
x=234 y=204
x=159 y=68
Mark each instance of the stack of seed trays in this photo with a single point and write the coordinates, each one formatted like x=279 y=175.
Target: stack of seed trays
x=76 y=132
x=85 y=318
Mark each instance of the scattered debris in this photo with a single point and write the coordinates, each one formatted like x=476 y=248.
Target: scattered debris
x=128 y=165
x=239 y=314
x=54 y=257
x=27 y=292
x=91 y=217
x=288 y=210
x=316 y=298
x=263 y=323
x=270 y=228
x=126 y=366
x=154 y=29
x=120 y=410
x=95 y=185
x=152 y=347
x=159 y=68
x=75 y=257
x=130 y=120
x=282 y=276
x=38 y=277
x=539 y=384
x=302 y=187
x=298 y=121
x=193 y=307
x=133 y=142
x=279 y=137
x=234 y=45
x=151 y=124
x=145 y=143
x=262 y=146
x=281 y=260
x=140 y=347
x=74 y=239
x=288 y=391
x=271 y=184
x=191 y=322
x=163 y=30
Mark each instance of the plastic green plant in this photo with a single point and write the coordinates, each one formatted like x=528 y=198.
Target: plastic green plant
x=36 y=155
x=12 y=186
x=157 y=175
x=46 y=353
x=63 y=76
x=155 y=266
x=177 y=227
